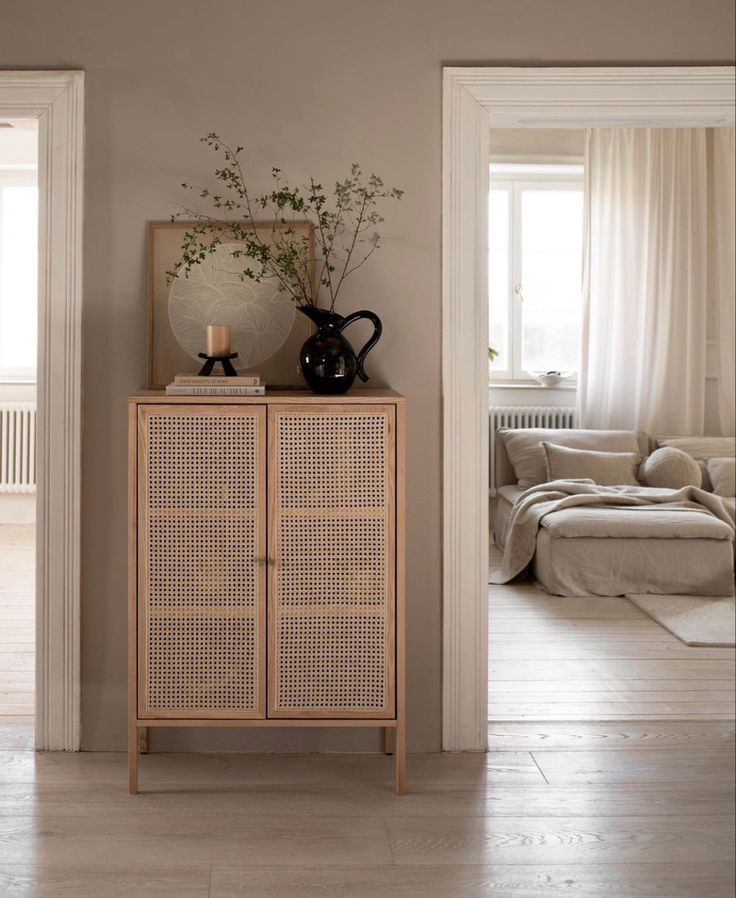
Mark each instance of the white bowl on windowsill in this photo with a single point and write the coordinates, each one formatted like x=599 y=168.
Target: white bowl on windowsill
x=550 y=378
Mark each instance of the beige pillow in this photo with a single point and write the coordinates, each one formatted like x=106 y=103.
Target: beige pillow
x=603 y=468
x=670 y=468
x=722 y=473
x=701 y=449
x=524 y=447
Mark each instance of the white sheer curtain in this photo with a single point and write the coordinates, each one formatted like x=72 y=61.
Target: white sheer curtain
x=723 y=243
x=645 y=280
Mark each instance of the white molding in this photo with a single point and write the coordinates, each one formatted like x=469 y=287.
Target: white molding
x=465 y=415
x=474 y=100
x=690 y=96
x=56 y=99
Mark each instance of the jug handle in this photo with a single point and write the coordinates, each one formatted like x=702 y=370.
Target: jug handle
x=374 y=338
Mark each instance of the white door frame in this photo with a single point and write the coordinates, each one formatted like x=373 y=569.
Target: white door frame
x=474 y=101
x=56 y=99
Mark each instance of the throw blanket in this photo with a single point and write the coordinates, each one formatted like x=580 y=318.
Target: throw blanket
x=538 y=501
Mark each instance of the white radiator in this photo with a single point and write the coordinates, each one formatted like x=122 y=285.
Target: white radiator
x=17 y=447
x=517 y=416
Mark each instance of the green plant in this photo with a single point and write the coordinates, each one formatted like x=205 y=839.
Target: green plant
x=343 y=237
x=492 y=354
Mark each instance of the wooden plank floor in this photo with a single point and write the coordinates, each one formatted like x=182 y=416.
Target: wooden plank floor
x=604 y=809
x=17 y=634
x=596 y=658
x=613 y=816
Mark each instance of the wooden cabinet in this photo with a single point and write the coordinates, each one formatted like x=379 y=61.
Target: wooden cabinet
x=266 y=563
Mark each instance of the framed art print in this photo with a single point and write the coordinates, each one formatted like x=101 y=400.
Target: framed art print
x=267 y=331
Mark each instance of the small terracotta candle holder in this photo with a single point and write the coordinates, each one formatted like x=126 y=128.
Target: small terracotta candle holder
x=218 y=341
x=218 y=350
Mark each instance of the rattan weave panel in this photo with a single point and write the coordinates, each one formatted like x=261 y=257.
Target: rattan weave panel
x=338 y=561
x=201 y=560
x=332 y=460
x=331 y=602
x=201 y=589
x=200 y=461
x=201 y=663
x=332 y=662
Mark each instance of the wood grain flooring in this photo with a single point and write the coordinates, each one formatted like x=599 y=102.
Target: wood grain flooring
x=482 y=881
x=594 y=808
x=595 y=658
x=17 y=634
x=535 y=821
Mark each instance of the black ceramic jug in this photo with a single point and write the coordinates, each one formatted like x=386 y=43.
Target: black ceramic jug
x=328 y=361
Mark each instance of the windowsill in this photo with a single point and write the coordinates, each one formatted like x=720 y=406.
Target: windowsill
x=525 y=385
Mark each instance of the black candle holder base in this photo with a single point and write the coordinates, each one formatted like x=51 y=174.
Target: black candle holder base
x=224 y=360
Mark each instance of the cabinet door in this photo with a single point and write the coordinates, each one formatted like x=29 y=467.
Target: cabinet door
x=331 y=607
x=201 y=561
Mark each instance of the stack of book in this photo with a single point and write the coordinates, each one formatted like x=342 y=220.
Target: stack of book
x=194 y=385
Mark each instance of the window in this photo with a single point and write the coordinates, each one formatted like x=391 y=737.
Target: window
x=18 y=274
x=535 y=227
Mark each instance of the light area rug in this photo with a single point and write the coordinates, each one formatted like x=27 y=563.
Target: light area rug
x=694 y=620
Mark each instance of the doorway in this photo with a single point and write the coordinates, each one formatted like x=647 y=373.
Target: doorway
x=475 y=101
x=18 y=352
x=54 y=100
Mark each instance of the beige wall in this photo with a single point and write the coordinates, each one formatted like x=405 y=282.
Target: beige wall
x=310 y=87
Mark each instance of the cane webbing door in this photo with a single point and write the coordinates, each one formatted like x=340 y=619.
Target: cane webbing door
x=201 y=561
x=331 y=614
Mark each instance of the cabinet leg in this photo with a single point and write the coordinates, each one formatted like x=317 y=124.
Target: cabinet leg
x=389 y=740
x=400 y=757
x=132 y=758
x=143 y=740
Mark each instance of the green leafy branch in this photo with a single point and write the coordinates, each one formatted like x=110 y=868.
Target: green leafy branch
x=343 y=234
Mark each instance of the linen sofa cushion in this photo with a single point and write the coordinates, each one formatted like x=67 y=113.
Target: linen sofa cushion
x=603 y=468
x=630 y=523
x=524 y=447
x=701 y=449
x=670 y=468
x=722 y=472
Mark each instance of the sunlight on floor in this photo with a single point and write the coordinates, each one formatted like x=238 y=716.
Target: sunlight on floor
x=17 y=634
x=596 y=658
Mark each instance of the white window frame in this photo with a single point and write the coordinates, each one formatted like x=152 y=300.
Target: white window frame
x=515 y=183
x=17 y=176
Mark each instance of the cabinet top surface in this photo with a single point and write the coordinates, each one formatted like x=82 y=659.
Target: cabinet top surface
x=271 y=397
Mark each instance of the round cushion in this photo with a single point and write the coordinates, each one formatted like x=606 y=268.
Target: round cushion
x=670 y=468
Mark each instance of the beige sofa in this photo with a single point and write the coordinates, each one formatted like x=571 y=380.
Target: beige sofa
x=582 y=551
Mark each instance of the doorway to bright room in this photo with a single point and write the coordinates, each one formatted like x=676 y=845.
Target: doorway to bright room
x=18 y=351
